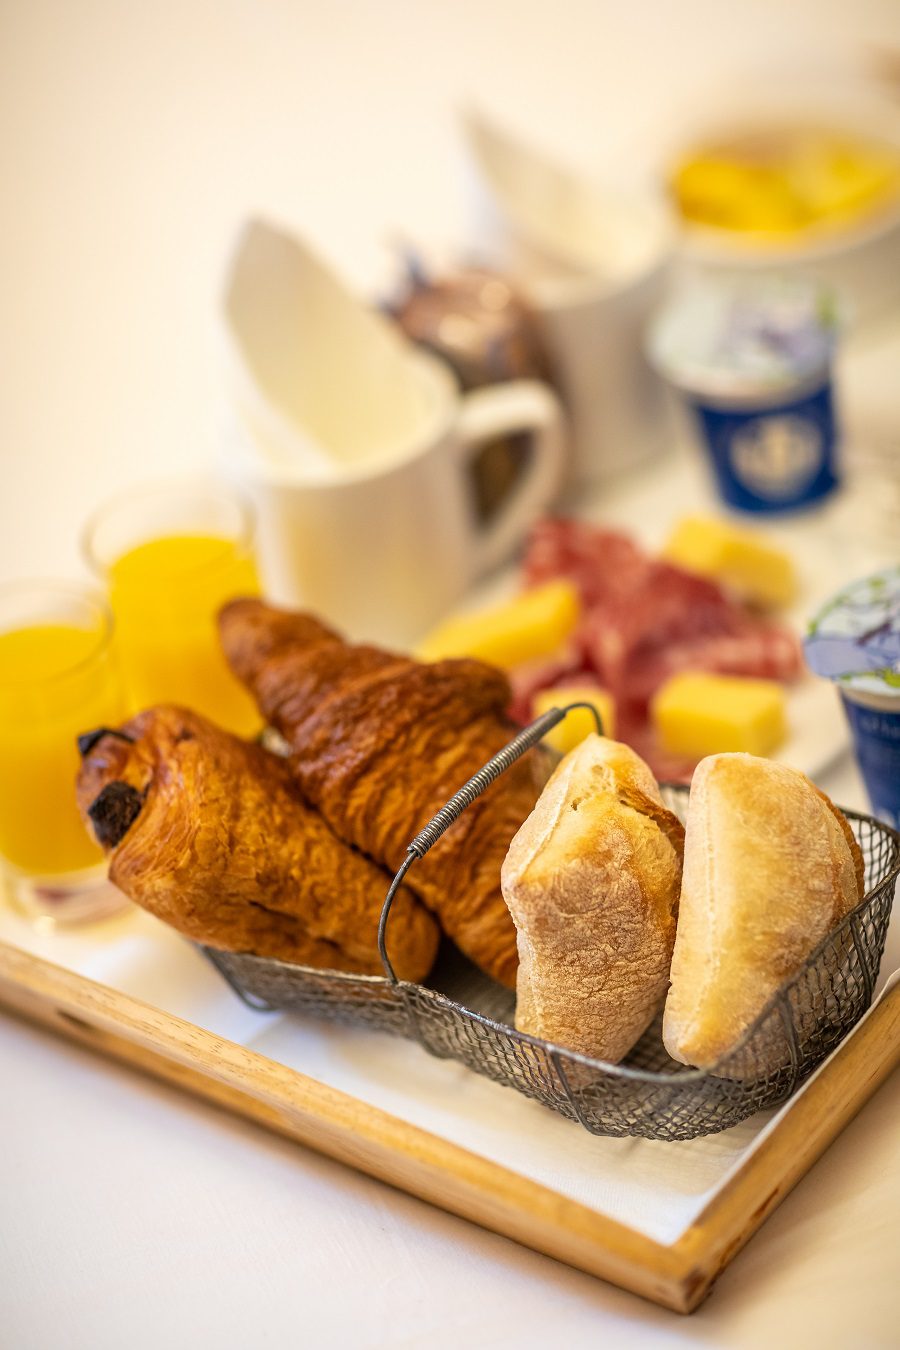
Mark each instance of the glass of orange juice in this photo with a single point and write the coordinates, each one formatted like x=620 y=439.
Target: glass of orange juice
x=58 y=678
x=170 y=556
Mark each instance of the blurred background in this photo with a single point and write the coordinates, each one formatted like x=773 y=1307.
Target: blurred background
x=135 y=139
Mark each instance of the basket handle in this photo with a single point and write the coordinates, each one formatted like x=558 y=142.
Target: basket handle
x=445 y=817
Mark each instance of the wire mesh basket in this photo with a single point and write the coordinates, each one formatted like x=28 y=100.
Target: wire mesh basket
x=462 y=1014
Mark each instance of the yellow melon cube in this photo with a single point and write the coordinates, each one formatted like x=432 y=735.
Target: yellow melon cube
x=579 y=723
x=533 y=625
x=697 y=714
x=739 y=558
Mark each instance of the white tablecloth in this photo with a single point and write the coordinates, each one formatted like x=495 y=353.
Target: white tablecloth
x=134 y=140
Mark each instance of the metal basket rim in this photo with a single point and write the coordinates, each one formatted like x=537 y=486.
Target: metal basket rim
x=687 y=1073
x=623 y=1071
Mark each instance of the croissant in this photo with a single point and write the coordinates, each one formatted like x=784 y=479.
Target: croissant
x=380 y=742
x=209 y=833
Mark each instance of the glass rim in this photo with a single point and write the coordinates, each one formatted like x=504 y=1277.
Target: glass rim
x=84 y=592
x=166 y=489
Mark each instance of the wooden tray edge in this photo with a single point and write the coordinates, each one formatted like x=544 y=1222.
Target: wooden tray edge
x=677 y=1276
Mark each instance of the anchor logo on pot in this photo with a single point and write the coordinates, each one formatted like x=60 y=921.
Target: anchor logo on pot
x=777 y=457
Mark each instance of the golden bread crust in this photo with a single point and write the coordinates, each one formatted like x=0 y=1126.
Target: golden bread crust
x=769 y=871
x=592 y=880
x=223 y=849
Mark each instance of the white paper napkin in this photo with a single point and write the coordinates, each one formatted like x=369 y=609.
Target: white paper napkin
x=552 y=221
x=321 y=382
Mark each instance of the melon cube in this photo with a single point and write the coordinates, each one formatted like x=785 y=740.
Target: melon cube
x=739 y=558
x=696 y=714
x=533 y=625
x=580 y=722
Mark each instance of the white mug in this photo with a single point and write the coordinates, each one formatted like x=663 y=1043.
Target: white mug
x=592 y=302
x=384 y=549
x=616 y=404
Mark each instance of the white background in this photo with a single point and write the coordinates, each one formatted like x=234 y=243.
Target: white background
x=133 y=140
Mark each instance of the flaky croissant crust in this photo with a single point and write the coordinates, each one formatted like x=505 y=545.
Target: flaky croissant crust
x=222 y=847
x=380 y=742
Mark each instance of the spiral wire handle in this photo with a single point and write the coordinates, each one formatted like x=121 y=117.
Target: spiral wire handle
x=451 y=812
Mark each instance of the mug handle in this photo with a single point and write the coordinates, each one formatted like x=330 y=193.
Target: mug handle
x=504 y=410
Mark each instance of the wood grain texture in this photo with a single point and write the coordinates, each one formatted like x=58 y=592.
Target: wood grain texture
x=816 y=1118
x=443 y=1174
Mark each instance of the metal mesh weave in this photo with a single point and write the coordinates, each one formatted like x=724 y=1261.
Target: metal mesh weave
x=463 y=1015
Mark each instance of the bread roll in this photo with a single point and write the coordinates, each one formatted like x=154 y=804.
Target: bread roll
x=591 y=880
x=770 y=868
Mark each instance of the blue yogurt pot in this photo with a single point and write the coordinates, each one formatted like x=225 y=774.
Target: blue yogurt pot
x=754 y=365
x=876 y=735
x=855 y=641
x=779 y=458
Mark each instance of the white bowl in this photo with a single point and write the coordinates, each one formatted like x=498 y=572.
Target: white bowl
x=860 y=259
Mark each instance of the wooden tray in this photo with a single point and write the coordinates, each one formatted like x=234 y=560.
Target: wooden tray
x=678 y=1276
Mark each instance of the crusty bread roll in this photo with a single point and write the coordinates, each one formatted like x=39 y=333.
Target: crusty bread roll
x=591 y=880
x=770 y=868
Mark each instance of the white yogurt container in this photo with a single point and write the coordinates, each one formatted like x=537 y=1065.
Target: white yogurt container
x=753 y=363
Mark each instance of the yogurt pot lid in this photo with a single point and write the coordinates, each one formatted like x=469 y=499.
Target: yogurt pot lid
x=855 y=638
x=756 y=338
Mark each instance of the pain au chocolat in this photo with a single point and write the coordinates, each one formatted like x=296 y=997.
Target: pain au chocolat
x=210 y=834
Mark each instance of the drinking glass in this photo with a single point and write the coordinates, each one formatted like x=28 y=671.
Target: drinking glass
x=170 y=555
x=58 y=678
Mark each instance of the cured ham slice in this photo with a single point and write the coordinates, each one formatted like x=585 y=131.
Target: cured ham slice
x=601 y=563
x=672 y=622
x=644 y=620
x=528 y=680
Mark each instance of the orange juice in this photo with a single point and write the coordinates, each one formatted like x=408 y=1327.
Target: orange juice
x=56 y=681
x=165 y=594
